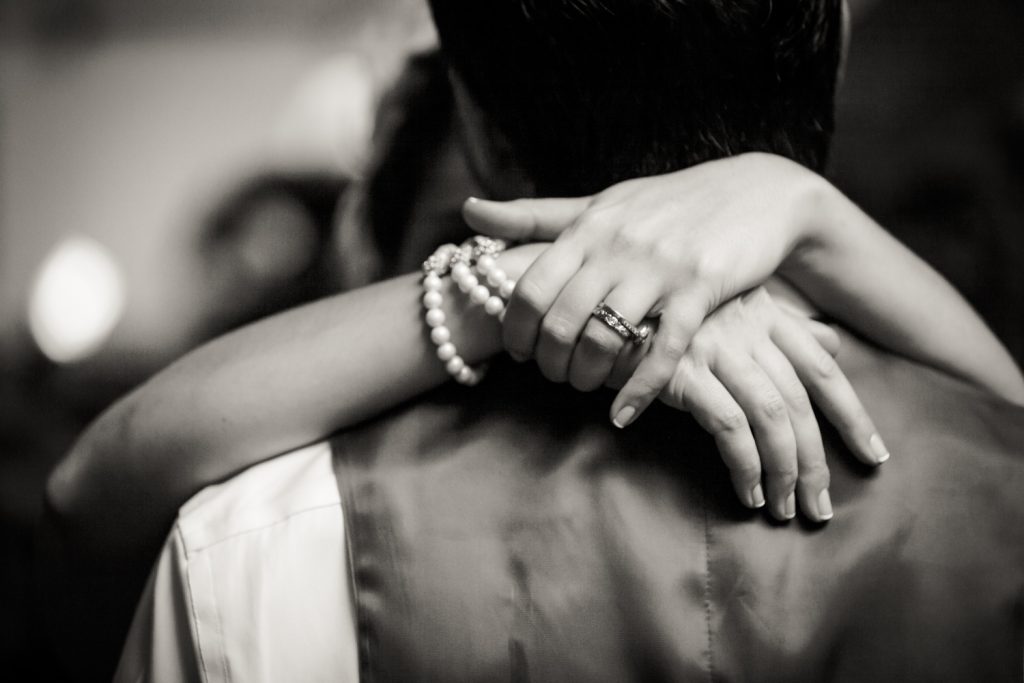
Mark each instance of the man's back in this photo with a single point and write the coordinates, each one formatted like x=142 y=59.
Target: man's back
x=507 y=532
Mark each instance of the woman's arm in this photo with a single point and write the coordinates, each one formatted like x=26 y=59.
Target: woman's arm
x=264 y=389
x=855 y=271
x=684 y=243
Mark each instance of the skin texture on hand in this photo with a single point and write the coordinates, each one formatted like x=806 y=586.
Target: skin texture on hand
x=748 y=377
x=674 y=246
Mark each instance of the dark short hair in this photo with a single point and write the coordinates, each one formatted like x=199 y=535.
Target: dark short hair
x=591 y=92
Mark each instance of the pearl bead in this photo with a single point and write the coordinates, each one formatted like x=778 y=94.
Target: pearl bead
x=439 y=335
x=496 y=277
x=432 y=299
x=484 y=264
x=435 y=317
x=506 y=289
x=446 y=351
x=494 y=305
x=479 y=295
x=455 y=365
x=473 y=280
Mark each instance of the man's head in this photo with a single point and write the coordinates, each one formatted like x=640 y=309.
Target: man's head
x=591 y=92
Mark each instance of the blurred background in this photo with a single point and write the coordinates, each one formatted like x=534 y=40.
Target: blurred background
x=170 y=169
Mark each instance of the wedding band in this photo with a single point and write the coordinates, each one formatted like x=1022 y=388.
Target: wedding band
x=617 y=322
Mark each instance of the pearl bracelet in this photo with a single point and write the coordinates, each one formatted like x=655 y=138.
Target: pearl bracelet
x=470 y=265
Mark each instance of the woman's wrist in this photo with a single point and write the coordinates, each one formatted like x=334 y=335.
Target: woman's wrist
x=474 y=332
x=800 y=202
x=817 y=205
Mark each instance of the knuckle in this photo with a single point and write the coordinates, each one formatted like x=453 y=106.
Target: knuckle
x=746 y=472
x=587 y=224
x=673 y=345
x=773 y=407
x=728 y=421
x=815 y=476
x=638 y=240
x=628 y=240
x=644 y=386
x=782 y=473
x=530 y=295
x=708 y=266
x=825 y=365
x=704 y=345
x=558 y=330
x=599 y=341
x=799 y=402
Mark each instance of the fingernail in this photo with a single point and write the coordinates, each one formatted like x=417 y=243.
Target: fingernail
x=518 y=357
x=790 y=511
x=624 y=417
x=878 y=446
x=824 y=505
x=757 y=497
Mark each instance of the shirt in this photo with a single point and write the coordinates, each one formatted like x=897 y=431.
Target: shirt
x=250 y=585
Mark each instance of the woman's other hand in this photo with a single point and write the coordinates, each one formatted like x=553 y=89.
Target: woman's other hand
x=674 y=246
x=748 y=378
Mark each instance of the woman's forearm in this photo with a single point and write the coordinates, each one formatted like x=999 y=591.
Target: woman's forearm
x=264 y=389
x=857 y=272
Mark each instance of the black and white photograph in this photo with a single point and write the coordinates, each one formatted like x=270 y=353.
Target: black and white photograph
x=511 y=340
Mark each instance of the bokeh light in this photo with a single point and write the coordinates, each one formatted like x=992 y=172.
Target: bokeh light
x=76 y=300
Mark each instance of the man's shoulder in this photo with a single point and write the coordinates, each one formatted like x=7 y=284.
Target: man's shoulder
x=912 y=396
x=298 y=483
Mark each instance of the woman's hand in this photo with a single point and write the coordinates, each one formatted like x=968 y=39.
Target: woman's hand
x=747 y=377
x=674 y=246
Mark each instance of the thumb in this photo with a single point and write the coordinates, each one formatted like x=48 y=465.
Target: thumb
x=523 y=220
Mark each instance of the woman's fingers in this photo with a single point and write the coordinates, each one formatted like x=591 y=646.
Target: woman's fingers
x=599 y=346
x=716 y=411
x=823 y=334
x=564 y=323
x=831 y=391
x=534 y=294
x=524 y=220
x=813 y=475
x=768 y=414
x=679 y=321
